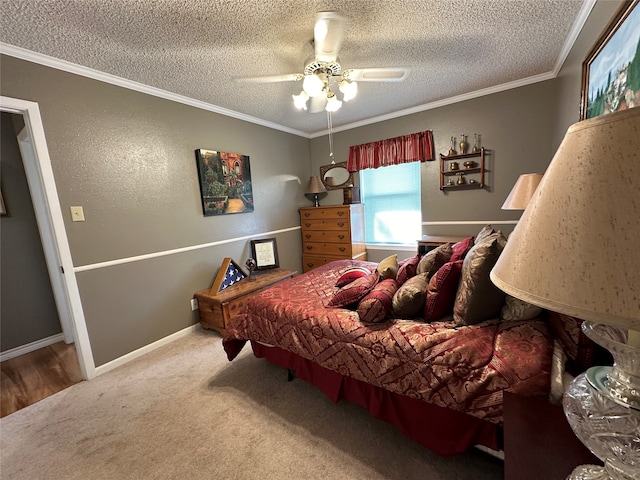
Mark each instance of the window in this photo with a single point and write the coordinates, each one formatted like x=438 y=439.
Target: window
x=391 y=196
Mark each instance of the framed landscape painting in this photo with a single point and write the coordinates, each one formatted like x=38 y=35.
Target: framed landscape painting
x=611 y=71
x=225 y=182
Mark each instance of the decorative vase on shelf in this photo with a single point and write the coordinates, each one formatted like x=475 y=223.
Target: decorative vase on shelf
x=461 y=180
x=452 y=149
x=463 y=144
x=475 y=148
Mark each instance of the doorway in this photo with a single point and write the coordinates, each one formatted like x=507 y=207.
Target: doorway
x=46 y=204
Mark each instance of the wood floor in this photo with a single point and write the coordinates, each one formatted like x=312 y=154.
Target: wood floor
x=29 y=378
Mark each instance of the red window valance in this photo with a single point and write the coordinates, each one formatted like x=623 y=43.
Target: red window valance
x=417 y=147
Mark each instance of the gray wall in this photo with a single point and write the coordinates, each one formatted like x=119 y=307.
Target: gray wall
x=128 y=159
x=27 y=307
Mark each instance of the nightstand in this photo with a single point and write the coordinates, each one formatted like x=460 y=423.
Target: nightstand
x=538 y=441
x=217 y=310
x=429 y=242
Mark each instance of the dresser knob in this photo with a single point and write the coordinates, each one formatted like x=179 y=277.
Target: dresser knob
x=307 y=236
x=341 y=237
x=309 y=265
x=306 y=215
x=342 y=249
x=340 y=214
x=309 y=247
x=307 y=225
x=341 y=224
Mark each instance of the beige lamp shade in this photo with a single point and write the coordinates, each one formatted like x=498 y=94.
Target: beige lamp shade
x=522 y=191
x=576 y=249
x=315 y=185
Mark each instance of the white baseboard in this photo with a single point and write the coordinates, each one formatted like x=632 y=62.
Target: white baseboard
x=107 y=367
x=31 y=347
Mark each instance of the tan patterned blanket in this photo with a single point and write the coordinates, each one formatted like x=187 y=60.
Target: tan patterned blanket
x=462 y=368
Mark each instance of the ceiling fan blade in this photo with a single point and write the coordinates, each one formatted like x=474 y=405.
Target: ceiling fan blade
x=290 y=77
x=317 y=104
x=394 y=74
x=327 y=35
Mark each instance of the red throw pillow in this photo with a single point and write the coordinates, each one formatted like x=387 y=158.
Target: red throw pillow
x=376 y=304
x=407 y=269
x=354 y=291
x=441 y=293
x=461 y=248
x=351 y=274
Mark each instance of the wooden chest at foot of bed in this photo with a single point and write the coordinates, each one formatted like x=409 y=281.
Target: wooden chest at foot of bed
x=217 y=310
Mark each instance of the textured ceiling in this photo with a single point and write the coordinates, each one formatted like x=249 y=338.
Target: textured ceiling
x=199 y=48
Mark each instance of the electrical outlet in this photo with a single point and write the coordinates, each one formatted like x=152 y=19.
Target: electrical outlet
x=194 y=304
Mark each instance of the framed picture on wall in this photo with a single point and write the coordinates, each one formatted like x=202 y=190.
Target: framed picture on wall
x=265 y=253
x=611 y=71
x=225 y=182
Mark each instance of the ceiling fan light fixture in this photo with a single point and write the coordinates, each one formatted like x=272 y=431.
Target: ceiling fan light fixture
x=333 y=104
x=312 y=85
x=300 y=100
x=349 y=89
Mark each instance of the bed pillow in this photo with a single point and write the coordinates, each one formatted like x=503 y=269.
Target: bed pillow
x=388 y=267
x=441 y=291
x=478 y=299
x=352 y=293
x=485 y=232
x=516 y=309
x=409 y=300
x=407 y=269
x=460 y=249
x=351 y=274
x=434 y=259
x=375 y=306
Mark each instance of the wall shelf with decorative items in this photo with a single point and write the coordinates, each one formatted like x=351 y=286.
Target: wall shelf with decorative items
x=468 y=170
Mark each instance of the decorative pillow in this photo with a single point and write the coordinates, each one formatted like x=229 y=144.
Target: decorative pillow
x=485 y=232
x=441 y=291
x=478 y=299
x=388 y=267
x=580 y=349
x=354 y=291
x=460 y=249
x=376 y=304
x=350 y=274
x=409 y=300
x=516 y=309
x=407 y=269
x=434 y=259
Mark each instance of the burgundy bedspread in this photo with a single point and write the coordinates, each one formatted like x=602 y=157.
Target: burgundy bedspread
x=462 y=368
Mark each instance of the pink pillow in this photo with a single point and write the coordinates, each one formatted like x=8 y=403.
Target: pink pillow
x=351 y=274
x=441 y=293
x=407 y=269
x=461 y=248
x=354 y=291
x=376 y=304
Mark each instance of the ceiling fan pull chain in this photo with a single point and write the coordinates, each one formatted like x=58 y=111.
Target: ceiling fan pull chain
x=330 y=123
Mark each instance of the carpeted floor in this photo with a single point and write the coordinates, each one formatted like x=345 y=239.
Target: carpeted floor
x=184 y=412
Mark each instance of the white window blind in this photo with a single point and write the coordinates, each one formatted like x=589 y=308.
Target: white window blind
x=391 y=197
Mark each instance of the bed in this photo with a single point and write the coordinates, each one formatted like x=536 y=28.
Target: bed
x=440 y=383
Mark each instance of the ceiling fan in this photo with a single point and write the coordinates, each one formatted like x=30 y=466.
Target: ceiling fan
x=323 y=78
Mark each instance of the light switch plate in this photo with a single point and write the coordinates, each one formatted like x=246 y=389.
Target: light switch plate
x=77 y=214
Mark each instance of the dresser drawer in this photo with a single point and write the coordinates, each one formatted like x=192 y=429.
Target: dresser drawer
x=321 y=213
x=326 y=224
x=322 y=236
x=334 y=249
x=309 y=263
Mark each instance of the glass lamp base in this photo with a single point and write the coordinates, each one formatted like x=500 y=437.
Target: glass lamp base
x=610 y=430
x=589 y=472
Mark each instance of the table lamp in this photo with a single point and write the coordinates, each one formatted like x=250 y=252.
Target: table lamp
x=315 y=187
x=576 y=251
x=522 y=191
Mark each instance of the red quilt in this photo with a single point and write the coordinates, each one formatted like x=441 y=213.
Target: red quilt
x=462 y=368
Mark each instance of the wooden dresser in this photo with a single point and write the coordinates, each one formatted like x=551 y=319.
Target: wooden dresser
x=332 y=233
